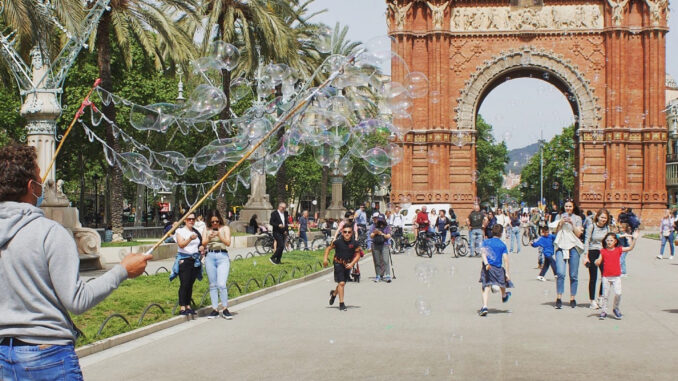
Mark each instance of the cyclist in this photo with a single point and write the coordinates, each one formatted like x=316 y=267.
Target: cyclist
x=422 y=220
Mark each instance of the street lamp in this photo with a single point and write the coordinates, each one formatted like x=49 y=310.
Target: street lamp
x=95 y=177
x=541 y=167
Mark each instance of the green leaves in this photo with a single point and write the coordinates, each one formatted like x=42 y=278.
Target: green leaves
x=491 y=157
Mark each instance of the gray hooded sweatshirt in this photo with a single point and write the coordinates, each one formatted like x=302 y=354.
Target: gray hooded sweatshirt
x=40 y=280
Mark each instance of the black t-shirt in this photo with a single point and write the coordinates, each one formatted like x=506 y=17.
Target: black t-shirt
x=554 y=214
x=476 y=219
x=344 y=250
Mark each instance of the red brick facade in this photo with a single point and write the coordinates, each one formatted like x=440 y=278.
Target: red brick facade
x=611 y=67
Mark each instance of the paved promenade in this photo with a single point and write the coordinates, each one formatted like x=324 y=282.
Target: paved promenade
x=294 y=335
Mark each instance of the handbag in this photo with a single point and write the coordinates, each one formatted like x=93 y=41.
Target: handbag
x=666 y=233
x=378 y=239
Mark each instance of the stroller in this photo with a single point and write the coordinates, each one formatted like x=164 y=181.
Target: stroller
x=355 y=271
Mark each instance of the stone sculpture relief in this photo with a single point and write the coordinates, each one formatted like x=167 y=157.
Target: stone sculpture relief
x=471 y=19
x=656 y=8
x=400 y=12
x=438 y=12
x=617 y=10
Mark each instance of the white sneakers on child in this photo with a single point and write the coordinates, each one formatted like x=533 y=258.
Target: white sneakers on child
x=594 y=305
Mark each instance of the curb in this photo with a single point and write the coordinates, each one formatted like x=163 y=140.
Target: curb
x=123 y=338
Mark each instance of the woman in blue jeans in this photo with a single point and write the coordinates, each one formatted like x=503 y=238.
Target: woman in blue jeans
x=217 y=238
x=666 y=230
x=515 y=231
x=568 y=248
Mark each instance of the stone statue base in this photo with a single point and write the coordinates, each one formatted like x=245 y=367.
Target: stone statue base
x=336 y=210
x=258 y=203
x=56 y=207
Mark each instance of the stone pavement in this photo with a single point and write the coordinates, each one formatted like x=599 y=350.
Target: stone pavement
x=294 y=335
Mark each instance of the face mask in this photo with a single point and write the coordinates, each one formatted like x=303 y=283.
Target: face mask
x=41 y=197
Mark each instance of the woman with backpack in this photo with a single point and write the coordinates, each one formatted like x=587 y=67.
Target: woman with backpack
x=380 y=234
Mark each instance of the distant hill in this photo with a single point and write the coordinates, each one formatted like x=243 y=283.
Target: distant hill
x=519 y=157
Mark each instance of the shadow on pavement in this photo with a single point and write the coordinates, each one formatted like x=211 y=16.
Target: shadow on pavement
x=673 y=311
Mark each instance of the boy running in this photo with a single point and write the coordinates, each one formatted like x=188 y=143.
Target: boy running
x=346 y=254
x=545 y=242
x=494 y=274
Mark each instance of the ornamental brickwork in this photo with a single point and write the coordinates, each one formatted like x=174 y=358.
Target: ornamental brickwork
x=606 y=56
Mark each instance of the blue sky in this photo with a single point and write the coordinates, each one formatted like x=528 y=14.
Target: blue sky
x=518 y=122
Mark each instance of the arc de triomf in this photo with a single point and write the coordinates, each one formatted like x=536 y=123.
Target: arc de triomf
x=607 y=56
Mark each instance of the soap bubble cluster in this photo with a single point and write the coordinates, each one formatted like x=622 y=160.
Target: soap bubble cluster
x=357 y=117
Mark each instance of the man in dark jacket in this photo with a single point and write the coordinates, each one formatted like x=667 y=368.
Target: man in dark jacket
x=39 y=278
x=279 y=222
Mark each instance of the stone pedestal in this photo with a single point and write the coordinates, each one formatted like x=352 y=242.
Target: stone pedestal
x=41 y=108
x=336 y=209
x=258 y=203
x=56 y=207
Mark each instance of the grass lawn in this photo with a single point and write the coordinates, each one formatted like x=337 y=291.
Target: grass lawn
x=652 y=236
x=133 y=295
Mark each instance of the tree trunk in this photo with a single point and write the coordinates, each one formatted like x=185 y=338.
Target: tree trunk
x=323 y=192
x=222 y=206
x=103 y=45
x=139 y=207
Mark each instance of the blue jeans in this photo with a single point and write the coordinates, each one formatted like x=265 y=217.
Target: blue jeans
x=574 y=271
x=217 y=266
x=475 y=238
x=443 y=235
x=548 y=262
x=303 y=236
x=623 y=262
x=515 y=236
x=668 y=239
x=58 y=362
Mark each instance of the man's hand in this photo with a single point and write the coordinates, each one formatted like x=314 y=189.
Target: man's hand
x=349 y=265
x=135 y=264
x=325 y=262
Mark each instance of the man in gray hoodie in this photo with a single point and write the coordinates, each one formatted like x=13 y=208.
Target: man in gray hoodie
x=39 y=278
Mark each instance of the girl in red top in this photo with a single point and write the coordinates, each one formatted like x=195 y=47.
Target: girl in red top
x=610 y=258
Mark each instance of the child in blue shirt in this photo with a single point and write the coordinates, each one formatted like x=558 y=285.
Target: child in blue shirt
x=545 y=242
x=494 y=273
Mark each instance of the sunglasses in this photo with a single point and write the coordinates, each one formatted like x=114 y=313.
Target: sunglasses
x=346 y=232
x=190 y=219
x=215 y=221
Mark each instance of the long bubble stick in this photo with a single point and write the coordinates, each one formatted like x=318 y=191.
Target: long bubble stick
x=85 y=102
x=248 y=154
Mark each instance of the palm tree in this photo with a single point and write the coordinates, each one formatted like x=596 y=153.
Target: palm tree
x=260 y=29
x=153 y=24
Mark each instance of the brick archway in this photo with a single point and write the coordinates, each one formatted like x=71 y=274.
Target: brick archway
x=608 y=59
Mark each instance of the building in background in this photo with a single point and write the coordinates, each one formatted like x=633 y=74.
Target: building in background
x=672 y=146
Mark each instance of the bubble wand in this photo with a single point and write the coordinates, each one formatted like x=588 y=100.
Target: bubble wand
x=85 y=102
x=275 y=128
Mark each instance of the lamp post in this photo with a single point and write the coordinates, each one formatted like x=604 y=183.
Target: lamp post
x=541 y=167
x=95 y=177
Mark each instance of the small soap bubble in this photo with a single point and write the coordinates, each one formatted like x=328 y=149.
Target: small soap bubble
x=422 y=306
x=331 y=341
x=254 y=263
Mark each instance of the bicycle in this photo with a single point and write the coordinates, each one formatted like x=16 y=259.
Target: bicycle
x=362 y=236
x=528 y=235
x=292 y=242
x=400 y=241
x=424 y=244
x=264 y=244
x=459 y=245
x=322 y=242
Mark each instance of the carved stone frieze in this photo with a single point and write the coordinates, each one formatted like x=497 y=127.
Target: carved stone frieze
x=589 y=111
x=505 y=19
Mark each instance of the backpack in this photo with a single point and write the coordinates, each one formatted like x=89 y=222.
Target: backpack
x=633 y=220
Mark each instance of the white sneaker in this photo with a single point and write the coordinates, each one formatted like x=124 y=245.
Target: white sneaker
x=594 y=305
x=660 y=257
x=541 y=278
x=671 y=257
